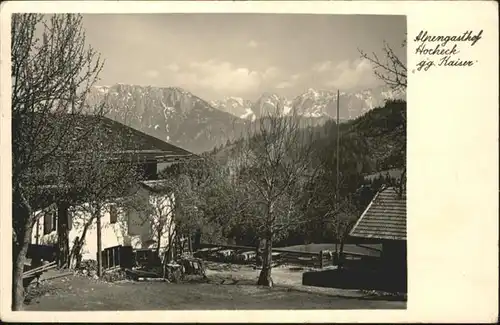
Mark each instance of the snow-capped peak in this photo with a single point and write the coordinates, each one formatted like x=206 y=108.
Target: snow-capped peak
x=103 y=89
x=239 y=100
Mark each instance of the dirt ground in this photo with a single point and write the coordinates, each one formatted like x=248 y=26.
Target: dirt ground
x=229 y=287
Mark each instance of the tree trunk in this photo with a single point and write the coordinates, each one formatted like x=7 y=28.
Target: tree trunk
x=18 y=266
x=265 y=274
x=77 y=252
x=158 y=245
x=169 y=256
x=99 y=243
x=62 y=235
x=21 y=210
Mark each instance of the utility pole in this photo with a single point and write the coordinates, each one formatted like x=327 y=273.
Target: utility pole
x=337 y=160
x=338 y=145
x=337 y=192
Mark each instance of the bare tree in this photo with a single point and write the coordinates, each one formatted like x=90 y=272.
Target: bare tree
x=157 y=212
x=51 y=75
x=390 y=69
x=274 y=168
x=340 y=218
x=100 y=174
x=174 y=208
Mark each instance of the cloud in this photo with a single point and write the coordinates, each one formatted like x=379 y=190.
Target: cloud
x=353 y=74
x=152 y=73
x=225 y=76
x=323 y=66
x=252 y=44
x=289 y=83
x=270 y=73
x=222 y=76
x=172 y=67
x=284 y=84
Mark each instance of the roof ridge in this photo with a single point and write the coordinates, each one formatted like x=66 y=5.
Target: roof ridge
x=145 y=135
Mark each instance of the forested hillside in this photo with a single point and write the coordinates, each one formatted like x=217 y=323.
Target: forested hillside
x=374 y=142
x=329 y=203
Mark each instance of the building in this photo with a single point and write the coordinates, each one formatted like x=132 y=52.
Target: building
x=384 y=221
x=122 y=223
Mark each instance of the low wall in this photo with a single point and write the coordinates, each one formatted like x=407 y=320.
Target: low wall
x=356 y=279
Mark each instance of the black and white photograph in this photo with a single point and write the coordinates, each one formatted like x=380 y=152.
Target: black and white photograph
x=208 y=161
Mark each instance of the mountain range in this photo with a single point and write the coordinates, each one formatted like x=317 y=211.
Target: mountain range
x=176 y=115
x=312 y=103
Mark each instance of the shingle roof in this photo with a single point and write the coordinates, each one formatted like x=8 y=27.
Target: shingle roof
x=139 y=142
x=132 y=142
x=384 y=218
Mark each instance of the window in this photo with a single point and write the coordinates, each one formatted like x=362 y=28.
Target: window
x=49 y=222
x=113 y=214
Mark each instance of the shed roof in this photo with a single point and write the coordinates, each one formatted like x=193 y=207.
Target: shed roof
x=384 y=218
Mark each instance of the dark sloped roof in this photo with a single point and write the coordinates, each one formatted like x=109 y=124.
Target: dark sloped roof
x=138 y=141
x=384 y=218
x=131 y=142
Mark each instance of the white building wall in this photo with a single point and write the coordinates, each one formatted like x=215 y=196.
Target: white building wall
x=163 y=209
x=130 y=229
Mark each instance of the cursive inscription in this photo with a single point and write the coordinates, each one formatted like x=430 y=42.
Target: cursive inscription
x=444 y=50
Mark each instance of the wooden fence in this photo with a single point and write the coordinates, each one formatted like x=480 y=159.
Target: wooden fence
x=316 y=260
x=117 y=257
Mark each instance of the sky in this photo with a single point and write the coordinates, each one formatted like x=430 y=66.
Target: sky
x=221 y=55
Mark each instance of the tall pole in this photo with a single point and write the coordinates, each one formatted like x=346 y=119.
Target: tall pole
x=337 y=159
x=338 y=144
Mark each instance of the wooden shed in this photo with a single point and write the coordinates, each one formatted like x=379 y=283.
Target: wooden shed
x=384 y=221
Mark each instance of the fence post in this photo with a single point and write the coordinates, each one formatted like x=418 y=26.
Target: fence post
x=321 y=259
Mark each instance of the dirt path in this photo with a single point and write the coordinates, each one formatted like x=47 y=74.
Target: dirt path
x=283 y=276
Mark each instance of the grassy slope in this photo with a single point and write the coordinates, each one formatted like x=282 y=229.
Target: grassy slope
x=79 y=293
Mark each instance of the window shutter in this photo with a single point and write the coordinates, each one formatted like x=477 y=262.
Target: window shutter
x=47 y=223
x=54 y=220
x=113 y=214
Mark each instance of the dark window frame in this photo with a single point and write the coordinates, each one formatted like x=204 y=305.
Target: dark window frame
x=113 y=214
